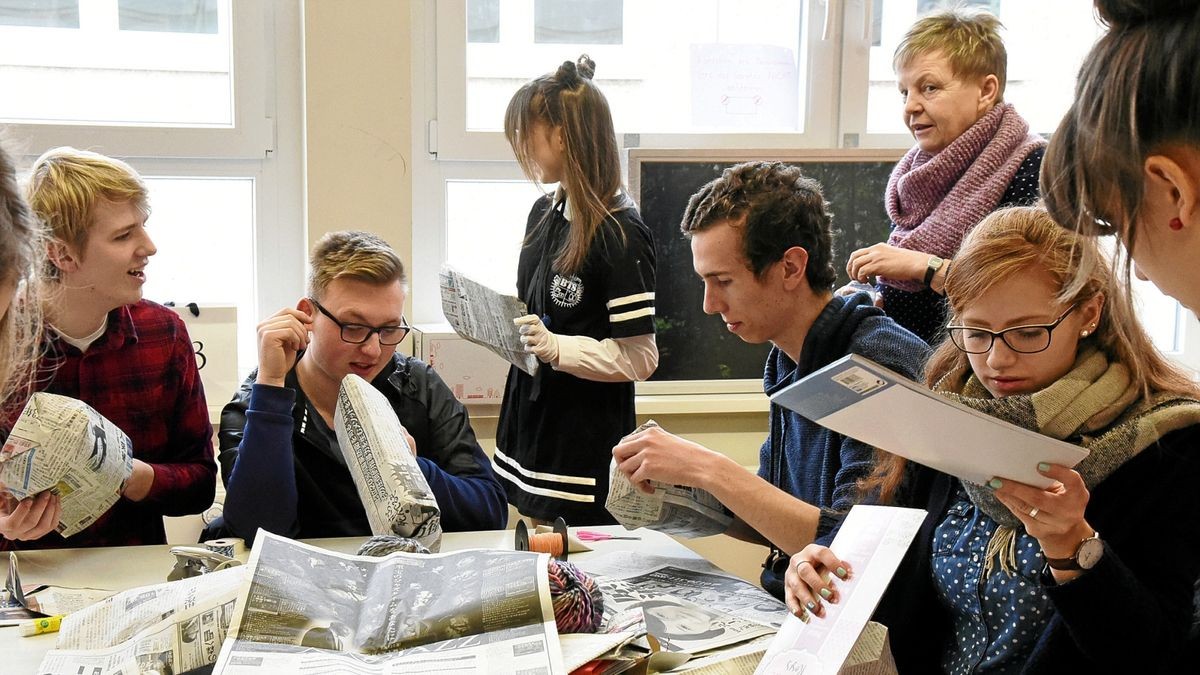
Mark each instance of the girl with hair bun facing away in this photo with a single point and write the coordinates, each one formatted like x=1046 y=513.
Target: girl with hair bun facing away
x=586 y=272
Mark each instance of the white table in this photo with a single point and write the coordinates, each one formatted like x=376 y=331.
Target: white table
x=124 y=567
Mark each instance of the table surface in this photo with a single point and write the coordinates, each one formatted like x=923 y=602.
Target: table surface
x=123 y=567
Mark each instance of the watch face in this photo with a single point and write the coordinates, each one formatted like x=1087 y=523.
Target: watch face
x=1090 y=552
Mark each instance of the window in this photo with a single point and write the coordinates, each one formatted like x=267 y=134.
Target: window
x=716 y=71
x=1043 y=60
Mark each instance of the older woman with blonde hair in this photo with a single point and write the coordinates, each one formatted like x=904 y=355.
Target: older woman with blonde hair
x=1095 y=572
x=973 y=154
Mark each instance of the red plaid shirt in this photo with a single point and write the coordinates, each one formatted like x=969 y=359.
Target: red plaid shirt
x=141 y=374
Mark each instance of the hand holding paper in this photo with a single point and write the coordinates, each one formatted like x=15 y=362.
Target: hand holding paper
x=538 y=339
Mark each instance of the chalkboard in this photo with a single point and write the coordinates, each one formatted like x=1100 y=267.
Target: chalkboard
x=693 y=345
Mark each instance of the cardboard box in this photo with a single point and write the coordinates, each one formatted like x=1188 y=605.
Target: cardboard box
x=473 y=373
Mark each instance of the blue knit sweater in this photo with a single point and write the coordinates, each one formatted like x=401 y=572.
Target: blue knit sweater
x=803 y=458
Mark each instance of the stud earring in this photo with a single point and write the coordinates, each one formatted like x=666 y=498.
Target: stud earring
x=1175 y=224
x=1084 y=333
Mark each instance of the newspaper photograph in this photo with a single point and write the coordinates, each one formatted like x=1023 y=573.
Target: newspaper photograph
x=466 y=611
x=63 y=445
x=677 y=510
x=688 y=604
x=166 y=628
x=485 y=317
x=390 y=484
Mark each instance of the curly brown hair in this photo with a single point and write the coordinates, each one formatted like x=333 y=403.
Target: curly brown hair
x=778 y=208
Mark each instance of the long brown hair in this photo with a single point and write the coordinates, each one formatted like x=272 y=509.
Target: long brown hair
x=567 y=98
x=1138 y=90
x=1010 y=242
x=22 y=249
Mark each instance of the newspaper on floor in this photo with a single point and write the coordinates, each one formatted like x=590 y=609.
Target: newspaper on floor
x=485 y=317
x=63 y=445
x=390 y=484
x=165 y=628
x=466 y=611
x=674 y=509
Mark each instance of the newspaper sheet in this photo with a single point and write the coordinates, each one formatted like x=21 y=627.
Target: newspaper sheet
x=393 y=490
x=62 y=444
x=859 y=398
x=674 y=509
x=166 y=628
x=687 y=604
x=485 y=317
x=466 y=611
x=872 y=539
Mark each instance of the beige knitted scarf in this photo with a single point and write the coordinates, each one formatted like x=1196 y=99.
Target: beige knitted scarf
x=1096 y=405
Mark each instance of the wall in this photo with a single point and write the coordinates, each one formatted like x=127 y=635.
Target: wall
x=358 y=122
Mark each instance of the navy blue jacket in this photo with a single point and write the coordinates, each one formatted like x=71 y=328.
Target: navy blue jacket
x=282 y=475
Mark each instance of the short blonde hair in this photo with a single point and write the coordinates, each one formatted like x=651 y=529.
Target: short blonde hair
x=66 y=184
x=969 y=39
x=352 y=254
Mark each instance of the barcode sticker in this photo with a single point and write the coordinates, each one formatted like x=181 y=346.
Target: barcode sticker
x=859 y=381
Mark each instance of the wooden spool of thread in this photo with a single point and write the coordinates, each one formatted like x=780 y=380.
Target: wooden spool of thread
x=554 y=543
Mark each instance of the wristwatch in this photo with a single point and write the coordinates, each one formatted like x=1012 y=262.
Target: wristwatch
x=935 y=264
x=1087 y=554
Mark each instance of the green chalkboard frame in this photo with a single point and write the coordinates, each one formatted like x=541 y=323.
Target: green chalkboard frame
x=697 y=354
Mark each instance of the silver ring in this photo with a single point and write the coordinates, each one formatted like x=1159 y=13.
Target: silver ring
x=801 y=563
x=1033 y=512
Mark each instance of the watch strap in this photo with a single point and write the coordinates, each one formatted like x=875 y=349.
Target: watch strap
x=1072 y=563
x=935 y=263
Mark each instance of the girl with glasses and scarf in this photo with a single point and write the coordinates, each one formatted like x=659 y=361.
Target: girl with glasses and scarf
x=1094 y=573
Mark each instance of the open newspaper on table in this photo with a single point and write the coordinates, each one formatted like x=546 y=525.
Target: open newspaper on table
x=480 y=611
x=62 y=444
x=689 y=605
x=674 y=509
x=394 y=492
x=485 y=317
x=165 y=628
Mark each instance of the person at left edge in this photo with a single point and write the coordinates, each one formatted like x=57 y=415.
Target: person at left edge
x=280 y=459
x=127 y=357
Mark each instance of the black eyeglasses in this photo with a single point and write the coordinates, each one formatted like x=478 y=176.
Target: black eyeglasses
x=1029 y=339
x=357 y=333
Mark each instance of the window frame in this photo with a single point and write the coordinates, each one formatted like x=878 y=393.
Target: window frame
x=252 y=134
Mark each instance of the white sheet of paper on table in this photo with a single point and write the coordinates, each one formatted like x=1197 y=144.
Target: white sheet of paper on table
x=873 y=539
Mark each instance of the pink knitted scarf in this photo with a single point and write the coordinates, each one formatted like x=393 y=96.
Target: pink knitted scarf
x=934 y=200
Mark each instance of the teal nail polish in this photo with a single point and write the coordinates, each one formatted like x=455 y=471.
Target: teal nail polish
x=841 y=572
x=810 y=605
x=1042 y=466
x=995 y=483
x=825 y=593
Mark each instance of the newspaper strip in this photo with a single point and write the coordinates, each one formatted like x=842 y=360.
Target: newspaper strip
x=393 y=490
x=165 y=628
x=674 y=509
x=466 y=611
x=485 y=317
x=63 y=445
x=872 y=539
